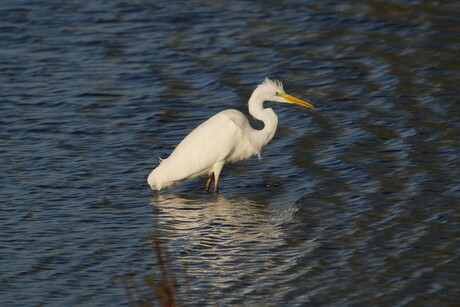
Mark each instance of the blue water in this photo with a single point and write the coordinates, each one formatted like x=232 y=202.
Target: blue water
x=353 y=203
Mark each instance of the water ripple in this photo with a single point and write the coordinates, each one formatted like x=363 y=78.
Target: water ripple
x=354 y=203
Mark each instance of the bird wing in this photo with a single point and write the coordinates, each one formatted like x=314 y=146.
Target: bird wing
x=211 y=142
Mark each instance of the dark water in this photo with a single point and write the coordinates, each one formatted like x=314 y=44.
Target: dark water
x=354 y=203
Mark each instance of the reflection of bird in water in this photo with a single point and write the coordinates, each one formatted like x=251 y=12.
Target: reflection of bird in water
x=202 y=218
x=225 y=137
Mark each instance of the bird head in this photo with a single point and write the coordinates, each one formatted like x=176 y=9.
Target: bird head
x=272 y=90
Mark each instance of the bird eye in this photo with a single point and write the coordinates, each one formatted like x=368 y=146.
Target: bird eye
x=277 y=93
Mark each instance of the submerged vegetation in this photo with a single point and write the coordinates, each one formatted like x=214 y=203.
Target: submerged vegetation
x=159 y=288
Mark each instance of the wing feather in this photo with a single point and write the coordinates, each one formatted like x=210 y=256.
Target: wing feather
x=211 y=142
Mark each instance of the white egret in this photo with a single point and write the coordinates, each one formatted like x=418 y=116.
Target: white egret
x=224 y=138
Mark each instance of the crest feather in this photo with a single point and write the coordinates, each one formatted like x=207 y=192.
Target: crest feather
x=274 y=84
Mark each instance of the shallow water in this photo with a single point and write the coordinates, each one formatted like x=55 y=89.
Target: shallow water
x=354 y=203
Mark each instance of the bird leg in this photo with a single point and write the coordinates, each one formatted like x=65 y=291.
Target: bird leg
x=216 y=184
x=217 y=169
x=208 y=182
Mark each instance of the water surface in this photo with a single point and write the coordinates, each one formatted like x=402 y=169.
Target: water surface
x=354 y=203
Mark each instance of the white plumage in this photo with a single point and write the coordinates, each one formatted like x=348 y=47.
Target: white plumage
x=226 y=137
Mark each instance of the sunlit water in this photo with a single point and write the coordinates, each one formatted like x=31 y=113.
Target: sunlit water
x=354 y=203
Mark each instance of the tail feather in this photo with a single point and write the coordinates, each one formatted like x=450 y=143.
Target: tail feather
x=161 y=176
x=169 y=172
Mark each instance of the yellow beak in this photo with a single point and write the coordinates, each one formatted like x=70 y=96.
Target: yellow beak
x=298 y=101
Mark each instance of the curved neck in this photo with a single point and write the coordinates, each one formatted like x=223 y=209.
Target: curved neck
x=260 y=138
